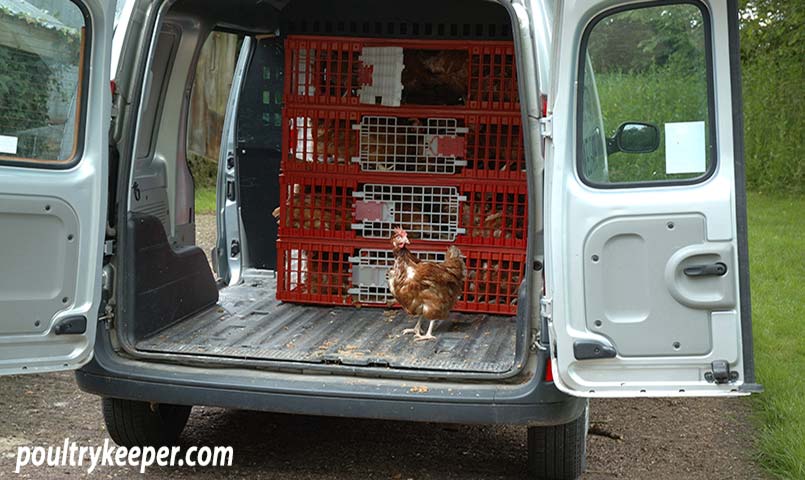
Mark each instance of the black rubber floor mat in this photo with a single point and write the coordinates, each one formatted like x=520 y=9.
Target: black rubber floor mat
x=250 y=323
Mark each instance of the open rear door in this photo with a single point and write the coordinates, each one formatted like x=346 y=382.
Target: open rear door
x=53 y=175
x=647 y=288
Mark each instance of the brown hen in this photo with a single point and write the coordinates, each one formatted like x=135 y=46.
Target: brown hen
x=425 y=289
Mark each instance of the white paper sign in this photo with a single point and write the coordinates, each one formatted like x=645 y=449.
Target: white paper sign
x=684 y=147
x=8 y=144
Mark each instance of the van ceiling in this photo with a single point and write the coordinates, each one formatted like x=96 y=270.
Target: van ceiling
x=252 y=16
x=426 y=19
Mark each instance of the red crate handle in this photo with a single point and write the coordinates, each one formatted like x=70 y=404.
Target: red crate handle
x=366 y=74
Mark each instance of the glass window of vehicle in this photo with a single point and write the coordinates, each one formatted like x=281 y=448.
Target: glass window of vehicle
x=42 y=46
x=645 y=97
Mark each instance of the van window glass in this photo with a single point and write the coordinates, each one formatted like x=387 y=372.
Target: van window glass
x=645 y=111
x=42 y=53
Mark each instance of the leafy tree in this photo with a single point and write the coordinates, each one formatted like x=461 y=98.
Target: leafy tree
x=773 y=61
x=24 y=89
x=647 y=38
x=773 y=28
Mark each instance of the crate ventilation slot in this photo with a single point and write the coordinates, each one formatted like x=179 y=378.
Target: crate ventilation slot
x=386 y=145
x=425 y=212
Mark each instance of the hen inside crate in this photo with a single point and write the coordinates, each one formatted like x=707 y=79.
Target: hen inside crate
x=249 y=324
x=321 y=273
x=406 y=141
x=352 y=71
x=345 y=208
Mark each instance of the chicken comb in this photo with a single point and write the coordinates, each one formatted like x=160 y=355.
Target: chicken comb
x=399 y=231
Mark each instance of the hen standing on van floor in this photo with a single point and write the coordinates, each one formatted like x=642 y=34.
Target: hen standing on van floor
x=425 y=289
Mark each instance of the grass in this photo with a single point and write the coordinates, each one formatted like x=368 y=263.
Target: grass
x=777 y=255
x=205 y=200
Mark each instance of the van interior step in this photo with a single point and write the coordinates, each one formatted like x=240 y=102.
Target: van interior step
x=249 y=323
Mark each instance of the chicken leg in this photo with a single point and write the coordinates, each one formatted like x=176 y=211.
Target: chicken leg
x=417 y=330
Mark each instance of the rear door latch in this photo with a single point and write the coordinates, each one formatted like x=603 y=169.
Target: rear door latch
x=721 y=373
x=546 y=126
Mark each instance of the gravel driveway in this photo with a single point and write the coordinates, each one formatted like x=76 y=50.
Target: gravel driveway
x=631 y=439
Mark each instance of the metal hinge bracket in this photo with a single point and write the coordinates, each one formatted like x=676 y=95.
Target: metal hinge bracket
x=108 y=316
x=546 y=307
x=536 y=341
x=108 y=248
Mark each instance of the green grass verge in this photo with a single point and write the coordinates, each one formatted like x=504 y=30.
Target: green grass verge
x=205 y=200
x=777 y=256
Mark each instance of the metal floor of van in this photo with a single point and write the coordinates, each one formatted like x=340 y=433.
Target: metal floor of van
x=249 y=323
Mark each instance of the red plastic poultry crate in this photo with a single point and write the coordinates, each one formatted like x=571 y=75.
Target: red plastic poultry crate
x=381 y=133
x=342 y=207
x=405 y=141
x=477 y=75
x=352 y=275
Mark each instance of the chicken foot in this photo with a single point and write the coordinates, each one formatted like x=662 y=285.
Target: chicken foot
x=417 y=331
x=428 y=335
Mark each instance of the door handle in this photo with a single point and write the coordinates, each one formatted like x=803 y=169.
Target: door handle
x=717 y=269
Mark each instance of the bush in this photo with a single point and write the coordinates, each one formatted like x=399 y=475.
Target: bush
x=773 y=59
x=774 y=125
x=204 y=170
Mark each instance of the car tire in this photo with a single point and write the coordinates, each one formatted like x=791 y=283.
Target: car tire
x=559 y=452
x=131 y=423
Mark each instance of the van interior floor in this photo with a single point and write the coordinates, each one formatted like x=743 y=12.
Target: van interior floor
x=249 y=323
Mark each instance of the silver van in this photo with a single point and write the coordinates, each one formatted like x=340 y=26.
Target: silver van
x=632 y=278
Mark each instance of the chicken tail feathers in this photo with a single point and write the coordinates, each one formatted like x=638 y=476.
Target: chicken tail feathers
x=454 y=263
x=453 y=252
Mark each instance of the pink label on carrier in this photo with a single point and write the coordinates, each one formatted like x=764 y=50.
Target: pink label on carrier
x=449 y=146
x=368 y=210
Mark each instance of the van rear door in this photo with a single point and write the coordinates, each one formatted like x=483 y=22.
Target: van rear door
x=54 y=126
x=647 y=287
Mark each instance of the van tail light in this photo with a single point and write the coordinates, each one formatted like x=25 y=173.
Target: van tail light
x=113 y=86
x=548 y=370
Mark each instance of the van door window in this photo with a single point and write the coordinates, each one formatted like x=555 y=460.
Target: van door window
x=645 y=97
x=42 y=54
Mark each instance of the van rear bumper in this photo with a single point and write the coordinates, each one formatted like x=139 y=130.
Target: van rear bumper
x=531 y=403
x=549 y=413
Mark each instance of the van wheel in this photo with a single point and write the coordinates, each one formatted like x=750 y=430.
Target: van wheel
x=559 y=452
x=132 y=423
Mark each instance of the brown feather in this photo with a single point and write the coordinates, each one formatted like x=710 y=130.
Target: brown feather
x=429 y=289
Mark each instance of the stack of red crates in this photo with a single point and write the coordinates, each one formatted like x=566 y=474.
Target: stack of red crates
x=359 y=160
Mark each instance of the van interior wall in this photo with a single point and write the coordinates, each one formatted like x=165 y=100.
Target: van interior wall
x=169 y=285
